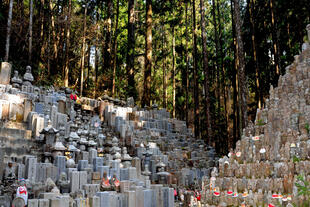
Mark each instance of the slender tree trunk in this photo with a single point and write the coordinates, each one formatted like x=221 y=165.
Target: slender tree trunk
x=131 y=50
x=53 y=32
x=274 y=41
x=164 y=65
x=206 y=71
x=21 y=16
x=196 y=88
x=146 y=99
x=234 y=80
x=173 y=68
x=242 y=82
x=8 y=32
x=48 y=51
x=83 y=51
x=96 y=53
x=88 y=64
x=108 y=45
x=187 y=66
x=224 y=140
x=68 y=28
x=30 y=31
x=218 y=82
x=257 y=75
x=42 y=41
x=115 y=48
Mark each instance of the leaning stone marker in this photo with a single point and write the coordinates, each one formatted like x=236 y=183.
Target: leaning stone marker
x=5 y=74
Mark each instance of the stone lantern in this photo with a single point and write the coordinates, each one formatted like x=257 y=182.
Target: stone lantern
x=49 y=134
x=58 y=148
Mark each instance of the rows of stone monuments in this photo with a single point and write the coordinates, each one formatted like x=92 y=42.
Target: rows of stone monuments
x=263 y=168
x=64 y=149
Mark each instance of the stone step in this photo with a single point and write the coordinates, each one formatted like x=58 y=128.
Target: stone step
x=15 y=125
x=15 y=133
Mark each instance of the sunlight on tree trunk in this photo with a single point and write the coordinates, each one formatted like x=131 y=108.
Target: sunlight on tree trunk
x=8 y=32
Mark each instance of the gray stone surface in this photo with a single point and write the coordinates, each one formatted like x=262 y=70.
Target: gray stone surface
x=82 y=164
x=83 y=179
x=60 y=162
x=33 y=203
x=5 y=73
x=31 y=168
x=94 y=201
x=74 y=181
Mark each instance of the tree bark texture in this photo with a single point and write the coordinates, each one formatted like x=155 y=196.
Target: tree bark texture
x=196 y=88
x=68 y=28
x=242 y=82
x=131 y=51
x=206 y=71
x=146 y=99
x=8 y=32
x=115 y=49
x=83 y=51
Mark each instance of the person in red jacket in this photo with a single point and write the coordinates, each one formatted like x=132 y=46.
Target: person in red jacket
x=73 y=96
x=198 y=197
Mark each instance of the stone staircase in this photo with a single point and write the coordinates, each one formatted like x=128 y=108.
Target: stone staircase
x=15 y=140
x=273 y=151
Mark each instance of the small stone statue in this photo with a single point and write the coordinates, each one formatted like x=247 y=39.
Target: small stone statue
x=28 y=78
x=63 y=183
x=16 y=81
x=9 y=174
x=130 y=102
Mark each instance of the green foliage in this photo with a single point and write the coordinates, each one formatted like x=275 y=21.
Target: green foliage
x=307 y=127
x=296 y=159
x=303 y=189
x=260 y=122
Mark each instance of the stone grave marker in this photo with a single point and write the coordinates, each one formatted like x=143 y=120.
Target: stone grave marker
x=5 y=74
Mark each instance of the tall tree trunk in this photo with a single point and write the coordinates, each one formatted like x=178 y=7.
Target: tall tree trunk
x=96 y=53
x=83 y=51
x=163 y=45
x=115 y=48
x=173 y=72
x=68 y=28
x=48 y=51
x=42 y=32
x=206 y=71
x=242 y=81
x=187 y=65
x=108 y=45
x=131 y=50
x=218 y=68
x=88 y=64
x=53 y=31
x=224 y=139
x=55 y=41
x=8 y=32
x=196 y=88
x=146 y=99
x=274 y=41
x=257 y=75
x=234 y=80
x=30 y=31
